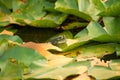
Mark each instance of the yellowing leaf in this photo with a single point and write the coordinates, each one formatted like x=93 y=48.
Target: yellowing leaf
x=42 y=48
x=6 y=32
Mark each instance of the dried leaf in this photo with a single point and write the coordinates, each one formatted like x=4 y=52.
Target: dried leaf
x=42 y=48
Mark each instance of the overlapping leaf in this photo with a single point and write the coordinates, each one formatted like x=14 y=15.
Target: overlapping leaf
x=97 y=37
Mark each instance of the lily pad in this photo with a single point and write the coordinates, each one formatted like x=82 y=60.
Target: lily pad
x=22 y=55
x=103 y=73
x=71 y=7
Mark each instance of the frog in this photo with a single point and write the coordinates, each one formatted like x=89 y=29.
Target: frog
x=58 y=40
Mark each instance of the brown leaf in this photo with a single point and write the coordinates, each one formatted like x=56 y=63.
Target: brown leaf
x=42 y=48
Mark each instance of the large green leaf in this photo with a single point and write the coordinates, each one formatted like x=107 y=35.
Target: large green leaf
x=3 y=46
x=97 y=50
x=37 y=16
x=70 y=7
x=11 y=71
x=92 y=50
x=49 y=6
x=22 y=8
x=108 y=3
x=7 y=3
x=95 y=30
x=103 y=73
x=112 y=10
x=91 y=7
x=12 y=38
x=97 y=33
x=82 y=33
x=112 y=27
x=22 y=55
x=50 y=20
x=4 y=15
x=83 y=37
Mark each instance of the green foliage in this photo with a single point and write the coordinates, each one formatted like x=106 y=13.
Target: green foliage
x=81 y=29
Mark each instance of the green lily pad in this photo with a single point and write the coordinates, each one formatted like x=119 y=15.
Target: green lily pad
x=3 y=46
x=12 y=38
x=97 y=33
x=11 y=71
x=50 y=20
x=4 y=15
x=103 y=73
x=70 y=7
x=74 y=25
x=112 y=27
x=91 y=8
x=21 y=8
x=22 y=55
x=64 y=71
x=49 y=6
x=112 y=10
x=92 y=50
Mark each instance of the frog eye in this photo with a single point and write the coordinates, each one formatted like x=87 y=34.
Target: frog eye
x=61 y=37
